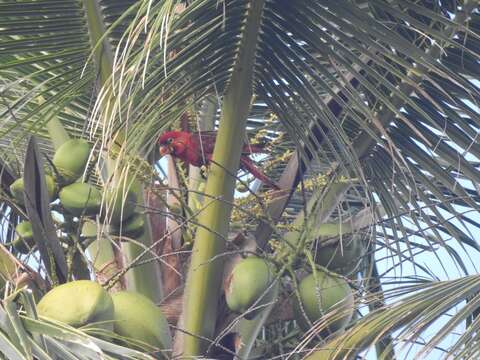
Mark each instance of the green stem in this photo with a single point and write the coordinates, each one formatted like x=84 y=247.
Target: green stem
x=206 y=269
x=58 y=134
x=56 y=131
x=103 y=54
x=206 y=121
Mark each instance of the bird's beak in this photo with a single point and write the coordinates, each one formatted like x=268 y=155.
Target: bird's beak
x=164 y=150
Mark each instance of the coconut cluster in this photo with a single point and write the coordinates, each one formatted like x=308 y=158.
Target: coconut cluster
x=80 y=199
x=321 y=295
x=322 y=300
x=135 y=319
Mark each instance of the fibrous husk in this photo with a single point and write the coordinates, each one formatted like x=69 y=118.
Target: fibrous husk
x=78 y=303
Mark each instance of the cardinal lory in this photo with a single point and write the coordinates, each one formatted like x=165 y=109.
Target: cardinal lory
x=197 y=148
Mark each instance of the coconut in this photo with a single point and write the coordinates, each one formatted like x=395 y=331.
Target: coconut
x=119 y=206
x=71 y=158
x=24 y=230
x=324 y=295
x=137 y=317
x=248 y=281
x=24 y=241
x=17 y=188
x=134 y=227
x=343 y=258
x=81 y=199
x=78 y=303
x=89 y=230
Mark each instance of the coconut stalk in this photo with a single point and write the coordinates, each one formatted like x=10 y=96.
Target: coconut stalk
x=204 y=277
x=146 y=278
x=249 y=329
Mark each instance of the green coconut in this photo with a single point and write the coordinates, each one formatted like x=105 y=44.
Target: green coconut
x=137 y=317
x=24 y=241
x=119 y=206
x=133 y=227
x=17 y=188
x=323 y=294
x=71 y=158
x=89 y=230
x=24 y=230
x=344 y=258
x=248 y=281
x=78 y=303
x=81 y=199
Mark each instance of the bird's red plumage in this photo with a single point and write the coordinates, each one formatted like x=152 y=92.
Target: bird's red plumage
x=197 y=148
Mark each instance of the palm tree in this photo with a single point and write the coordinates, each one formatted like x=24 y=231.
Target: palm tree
x=370 y=109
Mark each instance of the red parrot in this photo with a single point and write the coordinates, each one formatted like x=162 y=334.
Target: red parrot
x=197 y=148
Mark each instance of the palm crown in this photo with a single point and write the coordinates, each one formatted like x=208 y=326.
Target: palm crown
x=371 y=105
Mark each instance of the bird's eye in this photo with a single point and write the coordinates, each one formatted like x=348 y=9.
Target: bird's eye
x=169 y=141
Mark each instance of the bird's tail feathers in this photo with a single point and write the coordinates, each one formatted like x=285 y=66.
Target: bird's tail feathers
x=248 y=165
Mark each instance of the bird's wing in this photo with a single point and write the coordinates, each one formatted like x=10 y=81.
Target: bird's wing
x=207 y=140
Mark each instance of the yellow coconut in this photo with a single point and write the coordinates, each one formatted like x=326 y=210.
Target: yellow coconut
x=248 y=282
x=324 y=295
x=24 y=241
x=17 y=188
x=137 y=317
x=79 y=303
x=81 y=199
x=71 y=158
x=133 y=227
